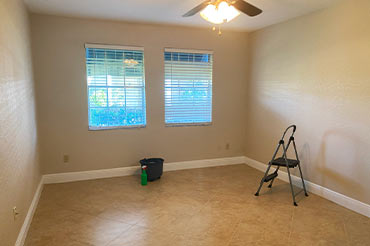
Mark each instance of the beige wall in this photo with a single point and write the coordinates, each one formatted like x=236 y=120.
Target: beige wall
x=58 y=46
x=314 y=71
x=19 y=172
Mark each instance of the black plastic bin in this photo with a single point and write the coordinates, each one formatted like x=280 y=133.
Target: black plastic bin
x=154 y=167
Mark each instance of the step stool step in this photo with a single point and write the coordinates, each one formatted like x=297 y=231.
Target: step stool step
x=281 y=162
x=271 y=176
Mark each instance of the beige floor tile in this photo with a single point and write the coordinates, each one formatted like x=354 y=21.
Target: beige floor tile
x=197 y=207
x=97 y=231
x=73 y=227
x=142 y=236
x=358 y=229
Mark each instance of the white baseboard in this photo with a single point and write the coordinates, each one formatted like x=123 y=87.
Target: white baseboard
x=31 y=210
x=326 y=193
x=345 y=201
x=126 y=171
x=182 y=165
x=87 y=175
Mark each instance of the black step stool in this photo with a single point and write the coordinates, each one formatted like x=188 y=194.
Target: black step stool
x=283 y=162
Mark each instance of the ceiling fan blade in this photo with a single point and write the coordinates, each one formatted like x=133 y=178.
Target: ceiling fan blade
x=247 y=8
x=198 y=8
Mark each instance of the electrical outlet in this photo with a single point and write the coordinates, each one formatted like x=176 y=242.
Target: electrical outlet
x=66 y=158
x=15 y=213
x=227 y=146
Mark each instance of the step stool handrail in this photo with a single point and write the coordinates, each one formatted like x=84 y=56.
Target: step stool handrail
x=286 y=130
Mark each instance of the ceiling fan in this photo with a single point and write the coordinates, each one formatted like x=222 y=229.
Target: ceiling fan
x=221 y=11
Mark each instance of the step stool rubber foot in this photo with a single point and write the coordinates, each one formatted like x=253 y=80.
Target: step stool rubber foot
x=306 y=194
x=295 y=204
x=257 y=194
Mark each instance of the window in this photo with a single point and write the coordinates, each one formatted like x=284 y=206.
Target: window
x=188 y=87
x=116 y=86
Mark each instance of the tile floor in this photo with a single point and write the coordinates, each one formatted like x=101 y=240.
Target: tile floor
x=209 y=206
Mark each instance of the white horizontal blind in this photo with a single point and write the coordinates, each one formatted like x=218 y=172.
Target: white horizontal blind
x=116 y=87
x=188 y=87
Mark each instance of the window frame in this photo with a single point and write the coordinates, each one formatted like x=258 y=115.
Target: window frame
x=189 y=51
x=114 y=47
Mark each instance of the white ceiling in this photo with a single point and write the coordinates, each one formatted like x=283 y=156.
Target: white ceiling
x=170 y=11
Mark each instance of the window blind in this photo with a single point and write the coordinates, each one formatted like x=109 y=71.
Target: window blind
x=116 y=86
x=188 y=87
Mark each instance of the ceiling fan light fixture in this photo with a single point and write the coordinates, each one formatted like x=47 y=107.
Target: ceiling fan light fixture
x=210 y=13
x=219 y=14
x=232 y=13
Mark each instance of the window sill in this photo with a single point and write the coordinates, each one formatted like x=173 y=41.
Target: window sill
x=188 y=124
x=91 y=128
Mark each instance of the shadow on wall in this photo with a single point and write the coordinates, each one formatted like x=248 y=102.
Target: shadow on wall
x=329 y=158
x=338 y=158
x=305 y=158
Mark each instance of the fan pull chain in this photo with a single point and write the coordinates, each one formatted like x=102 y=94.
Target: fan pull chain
x=219 y=30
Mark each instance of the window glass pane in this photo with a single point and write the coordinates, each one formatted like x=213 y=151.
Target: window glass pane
x=188 y=88
x=116 y=87
x=116 y=97
x=97 y=97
